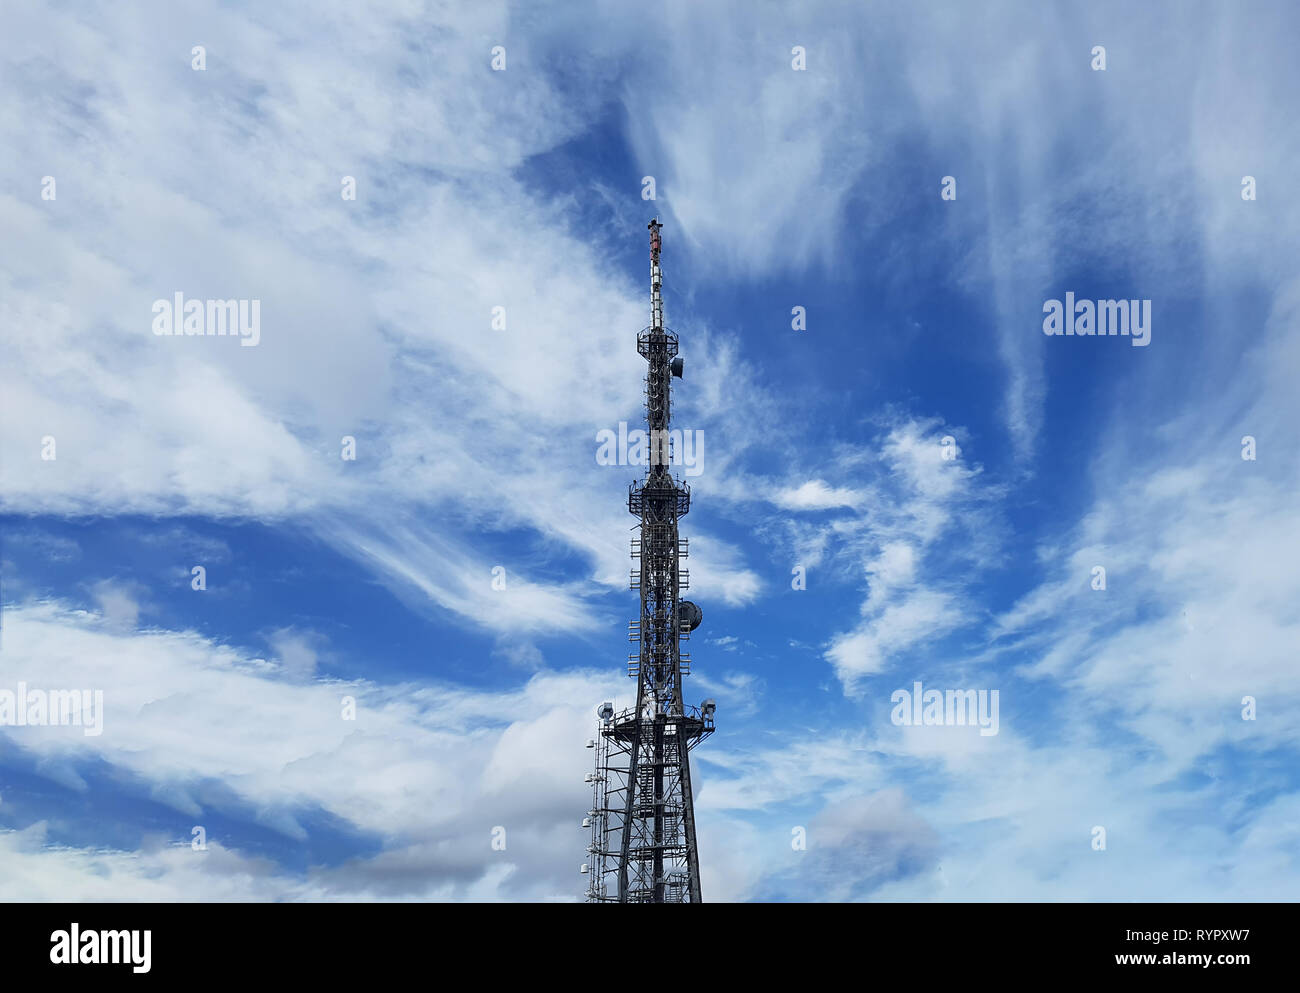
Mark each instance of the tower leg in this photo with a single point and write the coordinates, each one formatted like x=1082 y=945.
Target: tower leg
x=688 y=820
x=659 y=808
x=626 y=844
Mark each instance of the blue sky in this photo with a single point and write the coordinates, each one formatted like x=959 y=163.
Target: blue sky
x=823 y=448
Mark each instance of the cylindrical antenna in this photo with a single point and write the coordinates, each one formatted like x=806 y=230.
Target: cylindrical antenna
x=656 y=279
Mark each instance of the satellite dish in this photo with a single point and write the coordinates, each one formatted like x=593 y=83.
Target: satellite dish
x=689 y=616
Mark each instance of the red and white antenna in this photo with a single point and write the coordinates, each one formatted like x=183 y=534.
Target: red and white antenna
x=656 y=278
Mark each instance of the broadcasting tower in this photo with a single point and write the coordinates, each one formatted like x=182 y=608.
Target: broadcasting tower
x=642 y=818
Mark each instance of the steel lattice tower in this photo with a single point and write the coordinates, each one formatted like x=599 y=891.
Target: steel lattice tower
x=642 y=819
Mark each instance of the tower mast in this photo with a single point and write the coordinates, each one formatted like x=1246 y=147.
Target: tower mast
x=643 y=821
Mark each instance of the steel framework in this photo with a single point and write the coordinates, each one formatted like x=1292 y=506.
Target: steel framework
x=643 y=847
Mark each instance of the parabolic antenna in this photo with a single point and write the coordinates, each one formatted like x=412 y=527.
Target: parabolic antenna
x=689 y=615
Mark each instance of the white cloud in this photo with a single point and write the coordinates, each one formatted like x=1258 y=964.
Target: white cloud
x=456 y=423
x=816 y=495
x=893 y=631
x=428 y=769
x=117 y=603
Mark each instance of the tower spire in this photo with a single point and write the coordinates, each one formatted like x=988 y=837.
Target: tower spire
x=656 y=278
